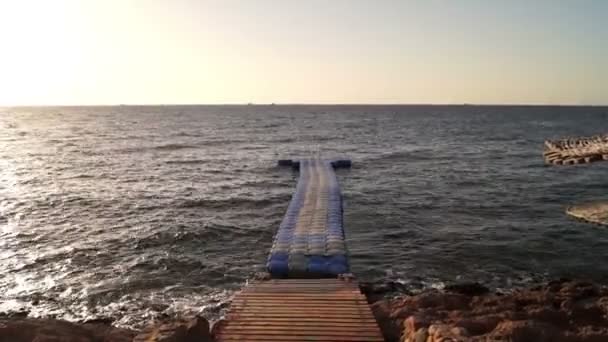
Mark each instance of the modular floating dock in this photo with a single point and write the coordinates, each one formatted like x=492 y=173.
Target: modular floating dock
x=310 y=240
x=308 y=297
x=572 y=151
x=576 y=150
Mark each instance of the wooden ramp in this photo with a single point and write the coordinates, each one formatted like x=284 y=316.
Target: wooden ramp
x=324 y=310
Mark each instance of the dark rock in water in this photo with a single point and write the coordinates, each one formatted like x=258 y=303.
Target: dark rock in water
x=101 y=320
x=374 y=291
x=15 y=314
x=469 y=289
x=562 y=310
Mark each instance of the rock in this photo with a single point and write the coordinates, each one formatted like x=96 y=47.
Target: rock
x=390 y=326
x=420 y=335
x=562 y=310
x=194 y=330
x=443 y=332
x=51 y=330
x=198 y=330
x=469 y=289
x=448 y=301
x=521 y=331
x=478 y=325
x=376 y=292
x=413 y=324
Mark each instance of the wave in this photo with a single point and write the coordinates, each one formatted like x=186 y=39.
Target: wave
x=173 y=147
x=410 y=155
x=229 y=203
x=191 y=161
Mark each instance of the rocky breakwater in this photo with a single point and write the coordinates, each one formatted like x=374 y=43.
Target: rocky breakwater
x=561 y=310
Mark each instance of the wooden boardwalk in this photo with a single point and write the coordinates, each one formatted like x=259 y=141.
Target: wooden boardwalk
x=324 y=310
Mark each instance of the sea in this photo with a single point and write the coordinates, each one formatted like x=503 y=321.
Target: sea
x=135 y=213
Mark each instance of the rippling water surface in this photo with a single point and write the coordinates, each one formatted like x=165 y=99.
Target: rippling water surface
x=138 y=212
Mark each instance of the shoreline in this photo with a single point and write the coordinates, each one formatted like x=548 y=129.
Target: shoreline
x=559 y=310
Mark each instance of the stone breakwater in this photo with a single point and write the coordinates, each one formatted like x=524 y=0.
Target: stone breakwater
x=559 y=311
x=576 y=150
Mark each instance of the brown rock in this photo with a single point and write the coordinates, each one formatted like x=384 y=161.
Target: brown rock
x=443 y=332
x=459 y=332
x=413 y=323
x=420 y=336
x=562 y=310
x=587 y=311
x=194 y=330
x=548 y=315
x=589 y=334
x=390 y=326
x=198 y=330
x=478 y=325
x=522 y=331
x=446 y=301
x=51 y=330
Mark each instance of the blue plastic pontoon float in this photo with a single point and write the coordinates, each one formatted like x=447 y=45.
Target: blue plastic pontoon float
x=310 y=240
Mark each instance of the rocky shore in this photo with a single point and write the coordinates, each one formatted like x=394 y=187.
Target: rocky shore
x=561 y=310
x=23 y=329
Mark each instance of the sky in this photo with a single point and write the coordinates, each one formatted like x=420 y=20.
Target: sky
x=89 y=52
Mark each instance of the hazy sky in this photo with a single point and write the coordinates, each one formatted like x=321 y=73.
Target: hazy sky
x=313 y=51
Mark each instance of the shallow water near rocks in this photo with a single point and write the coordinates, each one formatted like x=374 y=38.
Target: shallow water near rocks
x=134 y=213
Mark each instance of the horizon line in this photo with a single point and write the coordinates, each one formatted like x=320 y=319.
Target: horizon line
x=245 y=104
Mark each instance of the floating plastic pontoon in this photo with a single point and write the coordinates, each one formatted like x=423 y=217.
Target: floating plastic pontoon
x=310 y=240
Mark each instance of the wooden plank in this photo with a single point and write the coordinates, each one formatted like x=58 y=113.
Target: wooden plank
x=309 y=309
x=311 y=337
x=295 y=316
x=302 y=324
x=287 y=330
x=296 y=295
x=309 y=319
x=301 y=310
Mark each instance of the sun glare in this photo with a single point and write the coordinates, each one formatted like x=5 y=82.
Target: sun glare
x=40 y=49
